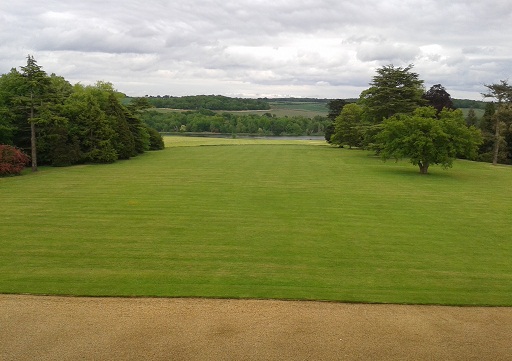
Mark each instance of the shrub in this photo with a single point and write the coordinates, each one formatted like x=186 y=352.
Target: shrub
x=12 y=160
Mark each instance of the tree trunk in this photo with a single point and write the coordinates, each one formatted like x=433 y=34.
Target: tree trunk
x=423 y=167
x=497 y=139
x=33 y=137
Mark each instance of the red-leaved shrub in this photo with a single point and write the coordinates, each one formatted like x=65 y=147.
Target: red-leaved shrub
x=12 y=160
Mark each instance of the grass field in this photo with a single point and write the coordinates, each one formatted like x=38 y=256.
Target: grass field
x=260 y=219
x=279 y=109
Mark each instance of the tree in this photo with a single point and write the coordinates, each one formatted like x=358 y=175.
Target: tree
x=393 y=90
x=427 y=138
x=55 y=145
x=139 y=104
x=335 y=107
x=347 y=127
x=438 y=97
x=91 y=126
x=123 y=139
x=502 y=118
x=36 y=84
x=471 y=118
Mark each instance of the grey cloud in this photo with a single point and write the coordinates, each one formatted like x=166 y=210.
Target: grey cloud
x=315 y=46
x=385 y=52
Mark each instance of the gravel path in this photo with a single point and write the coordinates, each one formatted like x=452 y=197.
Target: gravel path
x=74 y=328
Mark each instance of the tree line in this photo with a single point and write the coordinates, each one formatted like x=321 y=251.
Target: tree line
x=210 y=102
x=229 y=123
x=60 y=124
x=397 y=118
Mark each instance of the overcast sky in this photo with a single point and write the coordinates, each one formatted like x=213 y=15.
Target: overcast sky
x=257 y=48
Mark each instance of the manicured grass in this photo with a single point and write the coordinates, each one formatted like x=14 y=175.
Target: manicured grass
x=249 y=219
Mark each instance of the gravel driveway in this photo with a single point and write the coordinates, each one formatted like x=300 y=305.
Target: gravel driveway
x=76 y=328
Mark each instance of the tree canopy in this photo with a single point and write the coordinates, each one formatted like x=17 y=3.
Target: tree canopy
x=393 y=90
x=426 y=138
x=439 y=98
x=211 y=102
x=348 y=126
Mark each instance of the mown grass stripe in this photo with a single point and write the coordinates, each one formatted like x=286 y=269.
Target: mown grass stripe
x=260 y=219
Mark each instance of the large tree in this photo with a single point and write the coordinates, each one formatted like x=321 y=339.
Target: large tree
x=393 y=90
x=34 y=97
x=348 y=126
x=90 y=124
x=502 y=118
x=427 y=138
x=335 y=107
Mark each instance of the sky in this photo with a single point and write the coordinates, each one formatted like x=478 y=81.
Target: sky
x=260 y=48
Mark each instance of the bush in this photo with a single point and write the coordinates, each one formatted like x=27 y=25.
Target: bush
x=12 y=160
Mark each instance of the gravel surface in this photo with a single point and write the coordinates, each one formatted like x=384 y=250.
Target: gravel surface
x=75 y=328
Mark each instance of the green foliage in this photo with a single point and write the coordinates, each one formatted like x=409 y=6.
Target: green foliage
x=156 y=141
x=393 y=90
x=501 y=120
x=91 y=125
x=471 y=118
x=34 y=97
x=348 y=127
x=467 y=103
x=335 y=107
x=72 y=124
x=426 y=140
x=10 y=116
x=229 y=123
x=211 y=102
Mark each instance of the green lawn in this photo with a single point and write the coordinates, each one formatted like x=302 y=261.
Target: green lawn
x=260 y=219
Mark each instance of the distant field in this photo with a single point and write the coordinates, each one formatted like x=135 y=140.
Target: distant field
x=479 y=112
x=305 y=109
x=280 y=109
x=260 y=219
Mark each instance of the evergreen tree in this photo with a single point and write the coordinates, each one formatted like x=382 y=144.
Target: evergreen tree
x=502 y=118
x=123 y=139
x=471 y=118
x=393 y=90
x=33 y=96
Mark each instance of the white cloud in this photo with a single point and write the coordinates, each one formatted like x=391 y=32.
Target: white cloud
x=323 y=48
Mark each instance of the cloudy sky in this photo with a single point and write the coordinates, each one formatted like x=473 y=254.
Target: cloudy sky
x=257 y=48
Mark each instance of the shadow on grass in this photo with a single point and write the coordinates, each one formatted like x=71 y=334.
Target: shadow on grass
x=413 y=171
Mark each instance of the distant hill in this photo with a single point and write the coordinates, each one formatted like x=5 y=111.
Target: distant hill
x=210 y=102
x=220 y=102
x=466 y=103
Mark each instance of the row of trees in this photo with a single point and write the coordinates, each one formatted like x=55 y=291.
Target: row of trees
x=61 y=124
x=228 y=123
x=211 y=102
x=397 y=118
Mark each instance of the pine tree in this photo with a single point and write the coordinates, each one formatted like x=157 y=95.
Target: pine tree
x=35 y=88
